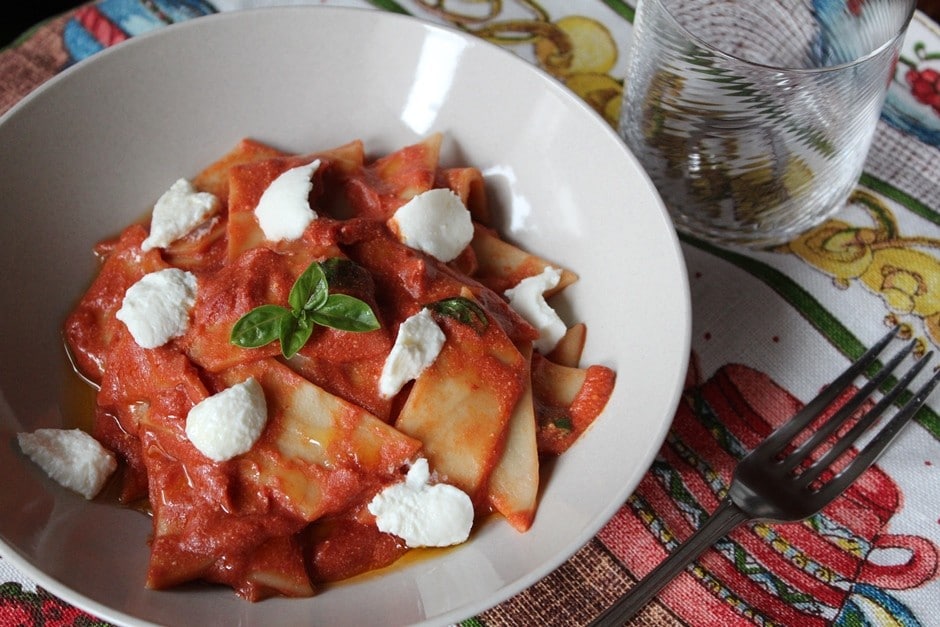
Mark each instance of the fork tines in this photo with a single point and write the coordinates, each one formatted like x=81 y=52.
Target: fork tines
x=785 y=479
x=808 y=470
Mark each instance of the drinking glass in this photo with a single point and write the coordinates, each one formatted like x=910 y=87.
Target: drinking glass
x=754 y=117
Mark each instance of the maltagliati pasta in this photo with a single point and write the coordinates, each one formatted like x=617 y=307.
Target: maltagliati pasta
x=298 y=344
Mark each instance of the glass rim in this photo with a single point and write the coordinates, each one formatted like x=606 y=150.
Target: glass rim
x=889 y=43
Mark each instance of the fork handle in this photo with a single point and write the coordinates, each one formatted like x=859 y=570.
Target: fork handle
x=719 y=524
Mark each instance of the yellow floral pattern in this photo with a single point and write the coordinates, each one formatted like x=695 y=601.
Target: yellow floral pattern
x=576 y=49
x=903 y=271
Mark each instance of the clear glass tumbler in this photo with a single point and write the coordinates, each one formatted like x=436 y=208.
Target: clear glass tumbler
x=754 y=117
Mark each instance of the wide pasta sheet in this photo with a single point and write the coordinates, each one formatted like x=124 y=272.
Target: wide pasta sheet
x=291 y=513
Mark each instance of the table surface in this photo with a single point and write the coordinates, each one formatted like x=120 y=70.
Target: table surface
x=769 y=330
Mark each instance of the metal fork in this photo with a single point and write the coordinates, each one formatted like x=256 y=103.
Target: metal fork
x=779 y=481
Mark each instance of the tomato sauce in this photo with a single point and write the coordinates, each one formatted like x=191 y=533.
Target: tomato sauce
x=291 y=513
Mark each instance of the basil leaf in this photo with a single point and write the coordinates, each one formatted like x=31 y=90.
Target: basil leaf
x=294 y=332
x=310 y=290
x=310 y=303
x=346 y=313
x=259 y=326
x=463 y=310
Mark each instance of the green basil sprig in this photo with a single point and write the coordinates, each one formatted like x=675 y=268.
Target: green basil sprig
x=463 y=310
x=310 y=304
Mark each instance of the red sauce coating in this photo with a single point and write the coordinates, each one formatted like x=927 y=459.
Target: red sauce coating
x=291 y=513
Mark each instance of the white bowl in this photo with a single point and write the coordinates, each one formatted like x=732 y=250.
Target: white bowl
x=91 y=150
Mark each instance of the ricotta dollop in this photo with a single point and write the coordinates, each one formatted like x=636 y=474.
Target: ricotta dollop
x=228 y=423
x=156 y=308
x=283 y=210
x=421 y=513
x=417 y=345
x=71 y=457
x=527 y=299
x=435 y=222
x=178 y=211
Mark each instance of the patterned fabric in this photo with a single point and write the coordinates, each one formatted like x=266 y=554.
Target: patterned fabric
x=871 y=557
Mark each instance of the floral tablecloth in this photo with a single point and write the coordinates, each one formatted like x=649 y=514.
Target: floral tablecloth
x=769 y=330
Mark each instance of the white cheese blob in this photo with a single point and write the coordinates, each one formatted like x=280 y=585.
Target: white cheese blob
x=156 y=308
x=228 y=423
x=435 y=222
x=527 y=299
x=423 y=514
x=417 y=345
x=71 y=457
x=178 y=211
x=284 y=211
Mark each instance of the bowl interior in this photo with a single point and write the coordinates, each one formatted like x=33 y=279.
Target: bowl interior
x=91 y=151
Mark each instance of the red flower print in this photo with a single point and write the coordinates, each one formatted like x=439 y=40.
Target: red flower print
x=925 y=86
